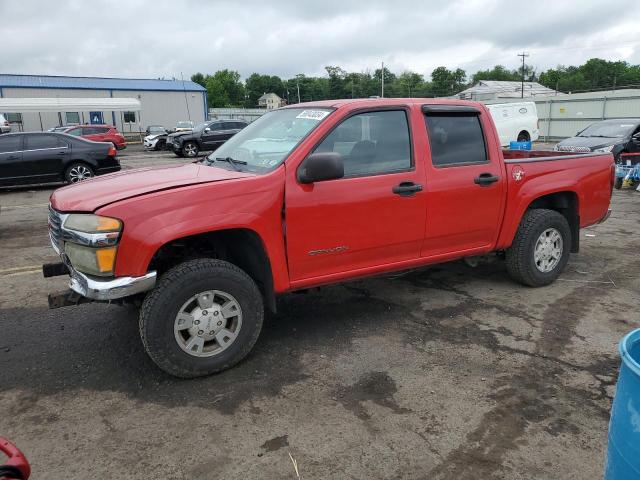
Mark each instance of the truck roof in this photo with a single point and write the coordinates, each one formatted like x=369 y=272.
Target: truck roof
x=381 y=102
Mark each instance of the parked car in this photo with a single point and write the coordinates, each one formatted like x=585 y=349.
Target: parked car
x=156 y=138
x=99 y=133
x=615 y=136
x=515 y=121
x=314 y=194
x=184 y=126
x=5 y=126
x=205 y=137
x=40 y=157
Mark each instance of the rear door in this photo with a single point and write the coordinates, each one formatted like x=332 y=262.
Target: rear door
x=45 y=155
x=465 y=181
x=11 y=169
x=364 y=219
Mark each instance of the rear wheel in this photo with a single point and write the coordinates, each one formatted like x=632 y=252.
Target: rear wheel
x=618 y=183
x=77 y=172
x=204 y=316
x=523 y=136
x=190 y=149
x=540 y=249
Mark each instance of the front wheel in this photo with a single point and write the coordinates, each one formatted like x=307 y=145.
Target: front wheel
x=204 y=316
x=190 y=149
x=540 y=249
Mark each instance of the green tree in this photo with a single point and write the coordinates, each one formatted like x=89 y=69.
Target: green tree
x=199 y=79
x=498 y=72
x=224 y=89
x=445 y=82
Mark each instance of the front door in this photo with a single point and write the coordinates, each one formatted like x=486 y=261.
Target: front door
x=211 y=136
x=372 y=217
x=465 y=182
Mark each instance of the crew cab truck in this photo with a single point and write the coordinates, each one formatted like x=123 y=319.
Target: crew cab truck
x=308 y=195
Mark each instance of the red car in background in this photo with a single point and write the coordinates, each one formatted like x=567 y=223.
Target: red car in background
x=98 y=133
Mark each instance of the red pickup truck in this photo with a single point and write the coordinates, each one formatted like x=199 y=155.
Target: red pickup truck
x=308 y=195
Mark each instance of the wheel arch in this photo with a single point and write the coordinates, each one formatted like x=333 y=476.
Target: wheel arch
x=241 y=246
x=566 y=203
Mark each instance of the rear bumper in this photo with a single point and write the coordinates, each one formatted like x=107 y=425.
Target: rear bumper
x=606 y=216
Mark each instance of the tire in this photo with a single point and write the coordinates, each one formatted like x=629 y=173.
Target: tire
x=523 y=136
x=521 y=256
x=190 y=149
x=165 y=336
x=618 y=183
x=77 y=172
x=161 y=145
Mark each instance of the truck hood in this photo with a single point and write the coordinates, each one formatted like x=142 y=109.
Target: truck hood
x=97 y=192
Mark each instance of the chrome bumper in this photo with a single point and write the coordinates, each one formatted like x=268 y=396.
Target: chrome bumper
x=106 y=289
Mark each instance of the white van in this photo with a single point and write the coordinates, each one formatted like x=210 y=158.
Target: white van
x=515 y=121
x=5 y=126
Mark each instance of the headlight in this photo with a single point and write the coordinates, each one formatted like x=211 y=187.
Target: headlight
x=604 y=149
x=91 y=242
x=556 y=148
x=88 y=223
x=94 y=261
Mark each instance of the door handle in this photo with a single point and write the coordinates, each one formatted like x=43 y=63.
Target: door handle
x=485 y=179
x=62 y=153
x=407 y=189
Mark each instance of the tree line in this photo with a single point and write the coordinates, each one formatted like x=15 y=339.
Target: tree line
x=225 y=88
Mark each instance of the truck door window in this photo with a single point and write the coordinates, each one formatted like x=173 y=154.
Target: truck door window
x=456 y=140
x=371 y=143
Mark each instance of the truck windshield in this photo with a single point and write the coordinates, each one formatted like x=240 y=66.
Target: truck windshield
x=264 y=144
x=608 y=130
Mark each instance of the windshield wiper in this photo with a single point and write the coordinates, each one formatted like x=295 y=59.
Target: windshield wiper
x=234 y=163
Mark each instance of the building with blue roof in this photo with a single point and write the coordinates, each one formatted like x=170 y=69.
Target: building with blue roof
x=164 y=102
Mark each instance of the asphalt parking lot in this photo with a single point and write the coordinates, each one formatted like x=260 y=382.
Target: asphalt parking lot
x=442 y=373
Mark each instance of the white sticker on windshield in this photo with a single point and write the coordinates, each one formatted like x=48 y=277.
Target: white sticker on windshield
x=626 y=125
x=313 y=114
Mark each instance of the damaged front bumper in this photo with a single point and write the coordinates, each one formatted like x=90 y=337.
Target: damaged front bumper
x=85 y=288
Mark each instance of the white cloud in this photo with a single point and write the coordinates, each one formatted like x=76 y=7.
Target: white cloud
x=166 y=38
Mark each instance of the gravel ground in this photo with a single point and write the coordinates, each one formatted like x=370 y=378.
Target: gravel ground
x=442 y=373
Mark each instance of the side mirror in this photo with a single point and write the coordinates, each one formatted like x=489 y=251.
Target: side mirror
x=636 y=136
x=207 y=130
x=321 y=166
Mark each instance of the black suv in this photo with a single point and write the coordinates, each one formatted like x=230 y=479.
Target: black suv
x=206 y=136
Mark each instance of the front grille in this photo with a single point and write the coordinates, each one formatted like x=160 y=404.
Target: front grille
x=569 y=148
x=55 y=229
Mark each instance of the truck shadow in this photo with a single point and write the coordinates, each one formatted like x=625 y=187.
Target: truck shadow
x=97 y=347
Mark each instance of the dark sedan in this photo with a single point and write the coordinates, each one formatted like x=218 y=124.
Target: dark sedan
x=206 y=136
x=616 y=136
x=27 y=158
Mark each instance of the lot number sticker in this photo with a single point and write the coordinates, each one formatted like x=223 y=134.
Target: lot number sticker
x=313 y=114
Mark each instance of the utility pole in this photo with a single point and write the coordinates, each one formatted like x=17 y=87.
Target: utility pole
x=298 y=85
x=382 y=75
x=523 y=55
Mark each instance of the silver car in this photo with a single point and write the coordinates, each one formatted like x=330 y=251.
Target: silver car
x=5 y=126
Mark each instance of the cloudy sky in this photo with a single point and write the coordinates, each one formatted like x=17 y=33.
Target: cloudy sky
x=158 y=38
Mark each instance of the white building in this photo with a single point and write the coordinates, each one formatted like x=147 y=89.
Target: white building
x=163 y=102
x=496 y=89
x=270 y=101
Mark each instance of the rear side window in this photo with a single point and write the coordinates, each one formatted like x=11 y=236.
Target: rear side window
x=37 y=142
x=371 y=143
x=456 y=140
x=9 y=143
